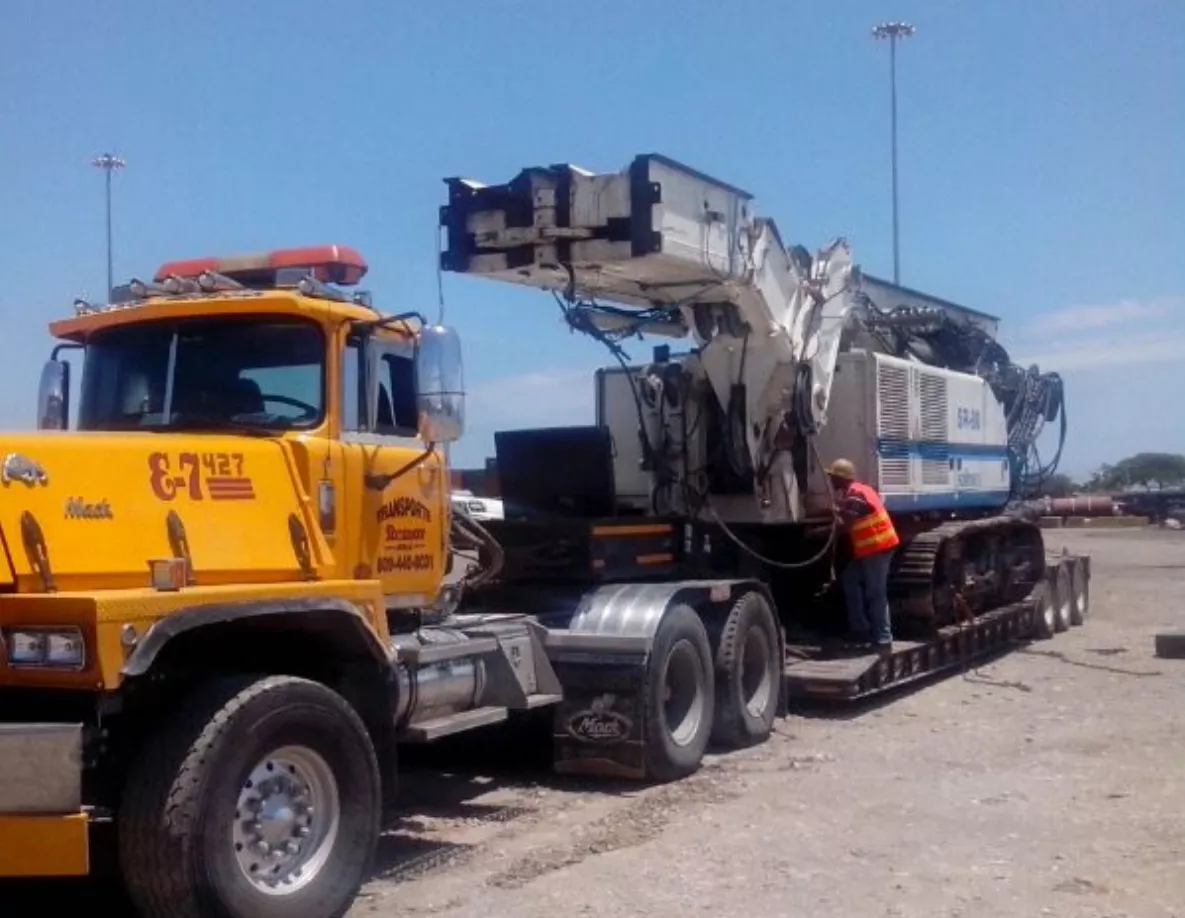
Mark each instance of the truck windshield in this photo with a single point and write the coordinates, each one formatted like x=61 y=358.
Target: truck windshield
x=211 y=374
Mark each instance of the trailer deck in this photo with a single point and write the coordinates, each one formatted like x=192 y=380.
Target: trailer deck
x=609 y=551
x=814 y=671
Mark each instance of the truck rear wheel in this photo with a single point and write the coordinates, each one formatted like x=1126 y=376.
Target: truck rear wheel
x=680 y=690
x=748 y=673
x=261 y=800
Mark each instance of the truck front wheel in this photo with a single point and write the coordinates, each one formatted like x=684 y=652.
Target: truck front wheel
x=260 y=800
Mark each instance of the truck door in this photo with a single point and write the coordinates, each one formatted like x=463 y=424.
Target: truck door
x=401 y=495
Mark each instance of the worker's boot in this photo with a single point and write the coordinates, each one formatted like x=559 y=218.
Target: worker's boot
x=846 y=645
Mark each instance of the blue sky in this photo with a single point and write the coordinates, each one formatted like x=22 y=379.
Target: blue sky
x=1042 y=162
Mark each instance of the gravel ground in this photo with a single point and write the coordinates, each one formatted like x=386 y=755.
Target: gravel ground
x=1049 y=781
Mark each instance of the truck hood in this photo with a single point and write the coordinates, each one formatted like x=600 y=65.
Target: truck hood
x=100 y=506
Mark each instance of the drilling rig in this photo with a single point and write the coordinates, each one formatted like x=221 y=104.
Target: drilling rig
x=789 y=364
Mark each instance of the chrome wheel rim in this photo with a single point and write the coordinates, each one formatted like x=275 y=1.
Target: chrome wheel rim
x=287 y=818
x=1080 y=597
x=683 y=693
x=1048 y=613
x=1065 y=596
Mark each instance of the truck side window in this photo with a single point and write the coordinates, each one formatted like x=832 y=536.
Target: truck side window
x=397 y=411
x=399 y=379
x=352 y=394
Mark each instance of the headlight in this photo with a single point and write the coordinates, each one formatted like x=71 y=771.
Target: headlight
x=54 y=647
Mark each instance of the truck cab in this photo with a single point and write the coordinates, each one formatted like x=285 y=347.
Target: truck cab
x=265 y=384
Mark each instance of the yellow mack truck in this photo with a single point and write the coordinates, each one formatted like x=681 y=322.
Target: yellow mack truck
x=199 y=580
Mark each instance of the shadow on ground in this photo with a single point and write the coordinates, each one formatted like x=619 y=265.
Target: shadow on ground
x=439 y=783
x=442 y=786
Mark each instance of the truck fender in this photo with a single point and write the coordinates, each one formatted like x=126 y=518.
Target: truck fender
x=338 y=619
x=635 y=610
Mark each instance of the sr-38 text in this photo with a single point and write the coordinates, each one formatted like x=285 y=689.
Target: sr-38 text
x=968 y=418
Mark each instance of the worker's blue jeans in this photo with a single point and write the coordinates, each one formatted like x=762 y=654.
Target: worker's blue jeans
x=866 y=593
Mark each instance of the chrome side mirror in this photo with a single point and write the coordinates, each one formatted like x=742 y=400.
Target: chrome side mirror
x=440 y=384
x=53 y=396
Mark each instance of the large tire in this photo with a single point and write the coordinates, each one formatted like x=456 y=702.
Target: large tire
x=184 y=844
x=1044 y=612
x=679 y=696
x=748 y=674
x=1063 y=597
x=1080 y=587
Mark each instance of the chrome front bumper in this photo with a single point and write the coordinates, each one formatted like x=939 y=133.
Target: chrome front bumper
x=40 y=769
x=43 y=830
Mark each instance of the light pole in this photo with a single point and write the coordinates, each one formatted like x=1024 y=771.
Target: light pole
x=893 y=31
x=108 y=162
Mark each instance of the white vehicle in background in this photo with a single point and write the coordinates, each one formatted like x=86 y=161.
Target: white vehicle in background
x=479 y=508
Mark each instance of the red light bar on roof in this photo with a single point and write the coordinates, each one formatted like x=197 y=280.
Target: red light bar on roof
x=330 y=264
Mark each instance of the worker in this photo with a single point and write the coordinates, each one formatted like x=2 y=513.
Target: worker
x=865 y=580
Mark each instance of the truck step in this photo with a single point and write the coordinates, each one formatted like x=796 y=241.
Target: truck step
x=541 y=701
x=426 y=731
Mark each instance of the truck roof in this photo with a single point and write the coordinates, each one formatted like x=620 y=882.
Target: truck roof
x=237 y=302
x=281 y=281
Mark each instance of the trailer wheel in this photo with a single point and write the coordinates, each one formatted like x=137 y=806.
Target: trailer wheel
x=680 y=689
x=1045 y=611
x=1063 y=597
x=1080 y=587
x=260 y=800
x=748 y=673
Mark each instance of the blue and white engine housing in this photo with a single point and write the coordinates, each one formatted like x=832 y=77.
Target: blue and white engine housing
x=929 y=439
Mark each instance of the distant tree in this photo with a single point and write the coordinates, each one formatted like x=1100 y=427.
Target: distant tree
x=1100 y=479
x=1058 y=486
x=1144 y=470
x=1053 y=486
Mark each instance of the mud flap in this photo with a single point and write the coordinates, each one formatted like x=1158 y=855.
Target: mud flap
x=599 y=727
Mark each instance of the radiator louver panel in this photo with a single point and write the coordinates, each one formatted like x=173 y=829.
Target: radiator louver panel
x=894 y=473
x=934 y=407
x=935 y=471
x=893 y=402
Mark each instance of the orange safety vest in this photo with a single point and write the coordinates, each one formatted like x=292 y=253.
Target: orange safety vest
x=874 y=533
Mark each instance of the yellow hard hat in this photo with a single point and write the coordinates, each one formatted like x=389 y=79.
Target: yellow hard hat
x=842 y=468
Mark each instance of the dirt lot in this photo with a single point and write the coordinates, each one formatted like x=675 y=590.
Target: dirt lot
x=1049 y=781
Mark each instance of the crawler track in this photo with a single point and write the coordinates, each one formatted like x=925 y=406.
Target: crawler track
x=962 y=569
